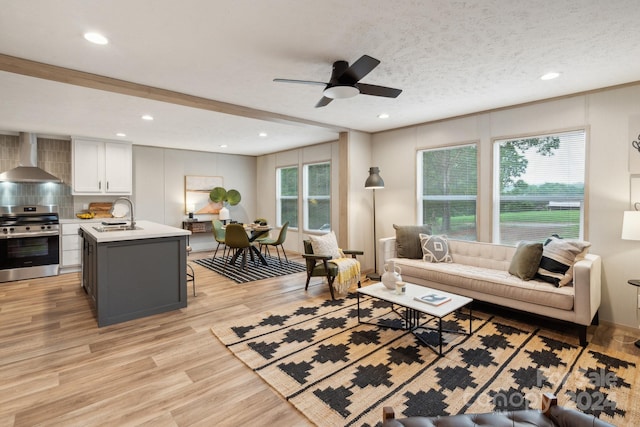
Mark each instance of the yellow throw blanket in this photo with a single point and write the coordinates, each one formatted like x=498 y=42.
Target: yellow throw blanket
x=348 y=274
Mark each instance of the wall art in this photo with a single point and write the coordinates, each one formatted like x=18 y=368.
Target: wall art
x=196 y=194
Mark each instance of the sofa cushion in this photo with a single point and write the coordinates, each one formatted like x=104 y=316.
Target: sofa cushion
x=526 y=260
x=487 y=281
x=558 y=257
x=408 y=240
x=435 y=248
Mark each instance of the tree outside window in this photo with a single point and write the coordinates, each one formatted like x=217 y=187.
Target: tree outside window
x=287 y=196
x=448 y=187
x=540 y=189
x=317 y=192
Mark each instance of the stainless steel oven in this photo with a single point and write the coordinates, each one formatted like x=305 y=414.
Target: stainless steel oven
x=29 y=242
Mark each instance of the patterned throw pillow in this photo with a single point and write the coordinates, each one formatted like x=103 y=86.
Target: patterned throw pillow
x=326 y=244
x=558 y=257
x=435 y=248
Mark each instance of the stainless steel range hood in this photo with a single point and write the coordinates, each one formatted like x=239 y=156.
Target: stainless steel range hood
x=28 y=170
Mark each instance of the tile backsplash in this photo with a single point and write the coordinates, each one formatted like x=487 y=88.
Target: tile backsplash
x=54 y=156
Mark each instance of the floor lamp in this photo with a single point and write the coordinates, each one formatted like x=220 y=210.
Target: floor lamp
x=373 y=182
x=631 y=231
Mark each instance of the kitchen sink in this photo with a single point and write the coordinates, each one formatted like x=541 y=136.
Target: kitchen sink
x=105 y=228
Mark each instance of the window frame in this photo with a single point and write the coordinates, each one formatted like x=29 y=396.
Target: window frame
x=280 y=197
x=422 y=198
x=497 y=196
x=306 y=197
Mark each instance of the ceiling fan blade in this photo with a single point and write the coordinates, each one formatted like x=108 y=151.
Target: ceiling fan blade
x=305 y=82
x=359 y=69
x=375 y=90
x=323 y=101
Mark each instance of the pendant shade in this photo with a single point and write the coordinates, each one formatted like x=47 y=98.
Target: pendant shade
x=374 y=181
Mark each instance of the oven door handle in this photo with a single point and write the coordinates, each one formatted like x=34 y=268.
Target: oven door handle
x=23 y=235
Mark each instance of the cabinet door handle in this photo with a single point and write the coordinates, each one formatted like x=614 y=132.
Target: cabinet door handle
x=107 y=185
x=99 y=185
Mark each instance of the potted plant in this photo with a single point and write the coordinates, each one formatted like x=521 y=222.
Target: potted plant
x=220 y=195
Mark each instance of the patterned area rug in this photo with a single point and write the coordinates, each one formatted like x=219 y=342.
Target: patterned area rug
x=339 y=372
x=254 y=270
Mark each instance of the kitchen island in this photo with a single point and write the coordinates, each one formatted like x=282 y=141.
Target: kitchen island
x=134 y=273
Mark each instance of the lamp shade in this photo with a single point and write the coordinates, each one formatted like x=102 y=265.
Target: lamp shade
x=374 y=181
x=631 y=225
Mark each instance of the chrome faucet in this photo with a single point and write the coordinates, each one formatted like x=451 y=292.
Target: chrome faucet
x=132 y=226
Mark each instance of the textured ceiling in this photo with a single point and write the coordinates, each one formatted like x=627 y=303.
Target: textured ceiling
x=449 y=57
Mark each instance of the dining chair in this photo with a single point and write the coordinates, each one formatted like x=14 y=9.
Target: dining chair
x=237 y=241
x=219 y=235
x=266 y=242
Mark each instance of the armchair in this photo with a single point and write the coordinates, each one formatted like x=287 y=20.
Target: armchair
x=321 y=265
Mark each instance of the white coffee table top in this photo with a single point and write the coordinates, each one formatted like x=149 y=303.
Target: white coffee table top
x=380 y=291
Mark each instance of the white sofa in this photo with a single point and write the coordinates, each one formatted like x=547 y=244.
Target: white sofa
x=480 y=271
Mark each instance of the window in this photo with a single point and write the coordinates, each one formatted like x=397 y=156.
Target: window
x=287 y=196
x=540 y=187
x=317 y=190
x=448 y=188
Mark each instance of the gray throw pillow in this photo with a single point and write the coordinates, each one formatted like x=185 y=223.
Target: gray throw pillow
x=408 y=240
x=526 y=260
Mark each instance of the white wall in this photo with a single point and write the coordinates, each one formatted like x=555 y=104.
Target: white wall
x=606 y=117
x=158 y=185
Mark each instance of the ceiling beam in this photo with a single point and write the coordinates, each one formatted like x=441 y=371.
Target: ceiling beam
x=41 y=70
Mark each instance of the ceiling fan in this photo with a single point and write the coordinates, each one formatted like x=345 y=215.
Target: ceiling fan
x=344 y=81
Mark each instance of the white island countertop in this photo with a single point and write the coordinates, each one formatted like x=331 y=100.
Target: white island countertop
x=145 y=230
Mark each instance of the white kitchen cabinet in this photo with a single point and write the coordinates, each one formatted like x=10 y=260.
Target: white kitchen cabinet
x=101 y=167
x=71 y=247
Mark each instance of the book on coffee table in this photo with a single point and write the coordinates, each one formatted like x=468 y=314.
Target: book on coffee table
x=433 y=298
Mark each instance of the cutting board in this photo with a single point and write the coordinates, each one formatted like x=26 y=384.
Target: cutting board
x=101 y=209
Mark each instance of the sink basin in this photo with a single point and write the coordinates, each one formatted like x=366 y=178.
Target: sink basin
x=105 y=228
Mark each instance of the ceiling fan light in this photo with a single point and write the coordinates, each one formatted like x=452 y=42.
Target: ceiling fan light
x=341 y=92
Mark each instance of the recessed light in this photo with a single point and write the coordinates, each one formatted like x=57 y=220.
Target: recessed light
x=223 y=146
x=148 y=117
x=262 y=134
x=550 y=76
x=383 y=116
x=96 y=38
x=121 y=135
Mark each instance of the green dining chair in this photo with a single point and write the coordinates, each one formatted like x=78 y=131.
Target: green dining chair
x=237 y=241
x=219 y=236
x=266 y=242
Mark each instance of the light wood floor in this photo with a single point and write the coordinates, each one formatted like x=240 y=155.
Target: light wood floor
x=58 y=368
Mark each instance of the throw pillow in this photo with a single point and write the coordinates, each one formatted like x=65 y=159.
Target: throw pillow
x=326 y=244
x=408 y=240
x=558 y=257
x=435 y=248
x=526 y=260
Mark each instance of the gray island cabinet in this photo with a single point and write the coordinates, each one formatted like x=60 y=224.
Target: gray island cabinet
x=130 y=274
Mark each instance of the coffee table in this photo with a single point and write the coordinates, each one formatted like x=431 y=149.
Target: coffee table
x=415 y=309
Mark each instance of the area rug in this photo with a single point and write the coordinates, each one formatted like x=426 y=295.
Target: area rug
x=339 y=372
x=254 y=270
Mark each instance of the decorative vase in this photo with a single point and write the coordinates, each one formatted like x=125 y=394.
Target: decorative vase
x=391 y=275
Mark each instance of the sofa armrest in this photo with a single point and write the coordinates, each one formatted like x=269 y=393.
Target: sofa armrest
x=386 y=251
x=587 y=276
